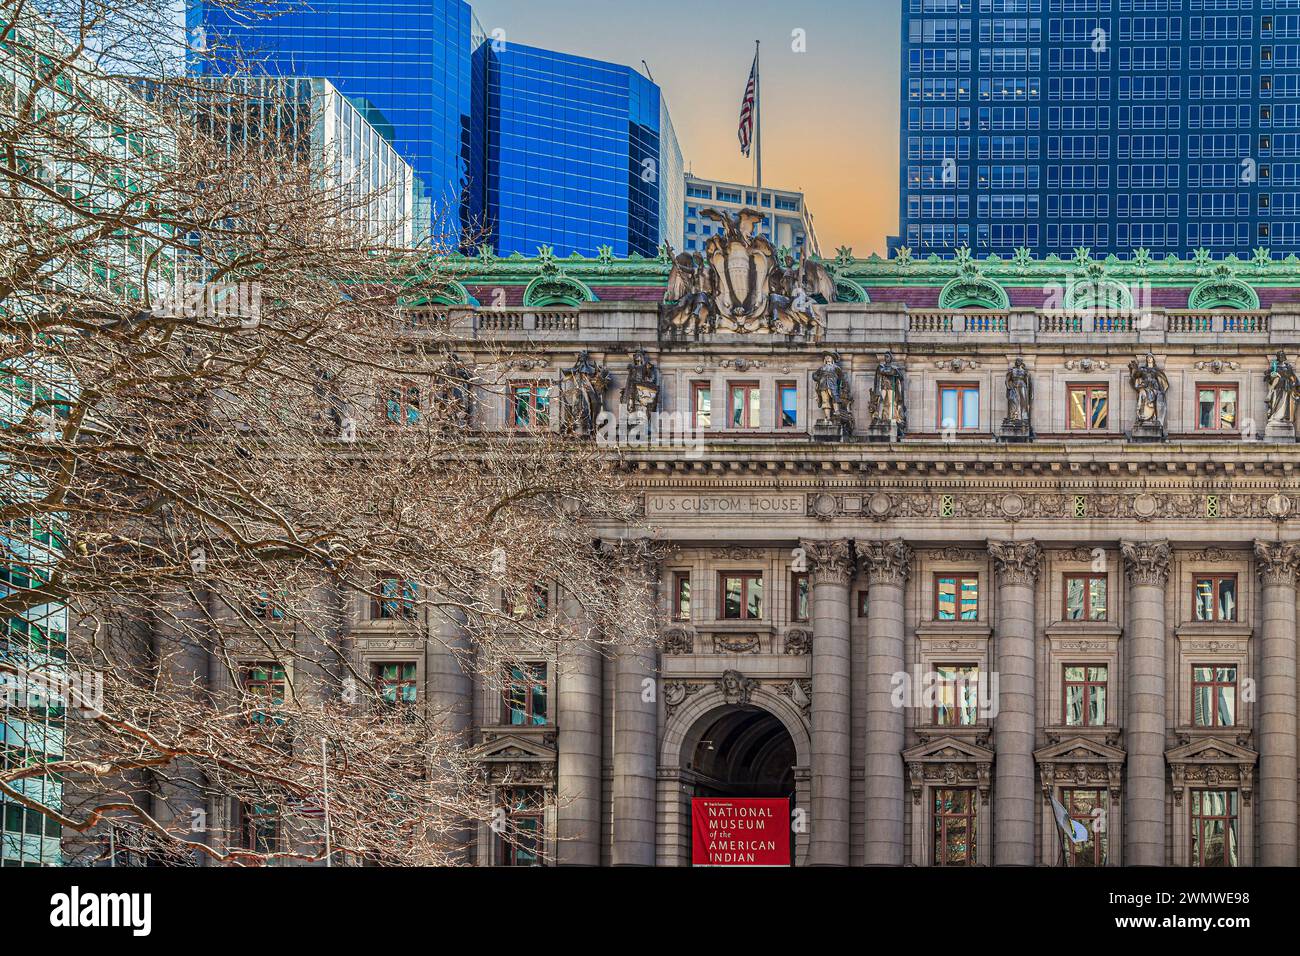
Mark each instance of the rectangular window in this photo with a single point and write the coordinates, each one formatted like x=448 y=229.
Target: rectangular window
x=1087 y=807
x=1214 y=827
x=741 y=595
x=265 y=684
x=1089 y=407
x=531 y=404
x=1085 y=695
x=395 y=682
x=1216 y=407
x=402 y=404
x=744 y=404
x=520 y=839
x=1216 y=597
x=956 y=701
x=864 y=603
x=1214 y=696
x=799 y=596
x=394 y=598
x=788 y=395
x=956 y=597
x=259 y=827
x=1085 y=597
x=535 y=602
x=681 y=595
x=959 y=407
x=954 y=826
x=525 y=695
x=701 y=406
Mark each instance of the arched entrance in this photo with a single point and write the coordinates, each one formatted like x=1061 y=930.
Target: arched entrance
x=741 y=752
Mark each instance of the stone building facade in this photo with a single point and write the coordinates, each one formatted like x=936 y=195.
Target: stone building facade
x=921 y=631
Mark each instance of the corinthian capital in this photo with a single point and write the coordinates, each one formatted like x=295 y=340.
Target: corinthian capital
x=1276 y=561
x=1017 y=562
x=829 y=561
x=885 y=562
x=1146 y=562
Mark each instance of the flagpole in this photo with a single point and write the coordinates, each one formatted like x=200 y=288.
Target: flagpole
x=325 y=784
x=758 y=122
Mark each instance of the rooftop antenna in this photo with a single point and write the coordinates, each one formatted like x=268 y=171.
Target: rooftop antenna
x=647 y=70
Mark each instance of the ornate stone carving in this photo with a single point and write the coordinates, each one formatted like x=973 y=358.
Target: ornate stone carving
x=1086 y=364
x=739 y=285
x=888 y=406
x=1146 y=562
x=1217 y=366
x=834 y=398
x=798 y=641
x=1152 y=387
x=829 y=561
x=679 y=640
x=799 y=691
x=640 y=396
x=676 y=693
x=1017 y=426
x=1276 y=561
x=727 y=643
x=1211 y=762
x=736 y=688
x=582 y=392
x=885 y=562
x=1283 y=393
x=1016 y=562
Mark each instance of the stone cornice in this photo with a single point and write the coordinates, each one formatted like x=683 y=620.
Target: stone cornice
x=1146 y=562
x=829 y=562
x=1016 y=562
x=885 y=562
x=1276 y=561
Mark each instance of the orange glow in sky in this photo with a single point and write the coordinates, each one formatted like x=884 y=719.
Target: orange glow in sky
x=829 y=113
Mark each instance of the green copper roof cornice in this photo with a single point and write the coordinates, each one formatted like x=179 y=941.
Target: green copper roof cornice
x=1219 y=279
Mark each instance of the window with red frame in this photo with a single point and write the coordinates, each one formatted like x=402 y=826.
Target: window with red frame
x=1088 y=807
x=681 y=595
x=395 y=682
x=954 y=826
x=740 y=595
x=701 y=406
x=394 y=599
x=743 y=401
x=520 y=841
x=1214 y=827
x=524 y=699
x=800 y=596
x=530 y=404
x=1216 y=408
x=1214 y=695
x=1085 y=695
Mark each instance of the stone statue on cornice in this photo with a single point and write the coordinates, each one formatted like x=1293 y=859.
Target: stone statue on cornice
x=1283 y=392
x=1152 y=387
x=889 y=398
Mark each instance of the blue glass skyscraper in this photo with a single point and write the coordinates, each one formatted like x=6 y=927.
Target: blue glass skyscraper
x=1170 y=125
x=417 y=69
x=581 y=154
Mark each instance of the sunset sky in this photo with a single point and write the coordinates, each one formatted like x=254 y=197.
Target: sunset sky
x=830 y=115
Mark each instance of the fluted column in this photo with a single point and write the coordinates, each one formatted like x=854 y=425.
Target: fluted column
x=1276 y=714
x=636 y=672
x=578 y=742
x=830 y=566
x=1016 y=564
x=886 y=565
x=1146 y=564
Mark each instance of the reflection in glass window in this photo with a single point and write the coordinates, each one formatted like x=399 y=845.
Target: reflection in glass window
x=1088 y=807
x=1214 y=696
x=954 y=826
x=956 y=695
x=1216 y=597
x=1214 y=827
x=957 y=597
x=1085 y=597
x=1089 y=407
x=1085 y=695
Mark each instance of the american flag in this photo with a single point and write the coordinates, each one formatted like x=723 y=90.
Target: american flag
x=746 y=131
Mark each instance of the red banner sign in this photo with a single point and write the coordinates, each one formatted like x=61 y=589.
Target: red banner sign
x=740 y=831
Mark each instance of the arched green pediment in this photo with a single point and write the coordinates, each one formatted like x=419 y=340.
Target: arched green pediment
x=557 y=289
x=846 y=290
x=970 y=290
x=1222 y=290
x=1097 y=293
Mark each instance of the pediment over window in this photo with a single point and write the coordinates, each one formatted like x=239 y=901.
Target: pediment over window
x=970 y=289
x=1222 y=290
x=514 y=760
x=846 y=290
x=556 y=288
x=1212 y=762
x=949 y=762
x=1080 y=762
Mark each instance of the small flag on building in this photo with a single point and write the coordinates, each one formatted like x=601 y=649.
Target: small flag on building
x=1071 y=829
x=747 y=106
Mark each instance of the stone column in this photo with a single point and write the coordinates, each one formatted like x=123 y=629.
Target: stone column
x=1146 y=564
x=1017 y=564
x=830 y=566
x=1276 y=714
x=636 y=694
x=578 y=741
x=886 y=565
x=448 y=663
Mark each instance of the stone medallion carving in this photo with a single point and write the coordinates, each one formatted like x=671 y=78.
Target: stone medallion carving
x=879 y=506
x=822 y=506
x=1279 y=506
x=798 y=641
x=1145 y=507
x=679 y=640
x=1013 y=506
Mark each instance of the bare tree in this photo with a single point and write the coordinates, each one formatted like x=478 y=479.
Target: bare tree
x=232 y=424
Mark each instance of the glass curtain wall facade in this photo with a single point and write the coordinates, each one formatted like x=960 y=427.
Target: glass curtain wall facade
x=416 y=69
x=1170 y=125
x=580 y=156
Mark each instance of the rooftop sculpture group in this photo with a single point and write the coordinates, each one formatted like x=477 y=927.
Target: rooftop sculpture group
x=739 y=285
